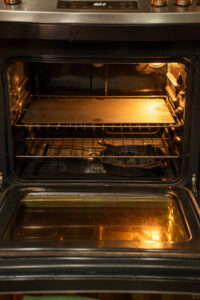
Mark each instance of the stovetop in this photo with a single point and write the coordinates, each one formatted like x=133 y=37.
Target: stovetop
x=102 y=11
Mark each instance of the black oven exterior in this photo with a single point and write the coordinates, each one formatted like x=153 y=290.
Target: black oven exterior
x=23 y=269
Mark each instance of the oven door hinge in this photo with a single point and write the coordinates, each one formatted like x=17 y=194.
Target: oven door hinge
x=1 y=180
x=194 y=184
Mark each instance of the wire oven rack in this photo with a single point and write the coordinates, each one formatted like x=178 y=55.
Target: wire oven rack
x=93 y=146
x=87 y=140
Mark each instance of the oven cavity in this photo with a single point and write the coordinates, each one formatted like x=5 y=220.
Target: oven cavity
x=98 y=120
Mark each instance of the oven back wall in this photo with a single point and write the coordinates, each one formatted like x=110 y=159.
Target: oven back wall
x=89 y=79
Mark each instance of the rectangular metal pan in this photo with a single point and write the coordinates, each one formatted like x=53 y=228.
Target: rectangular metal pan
x=83 y=110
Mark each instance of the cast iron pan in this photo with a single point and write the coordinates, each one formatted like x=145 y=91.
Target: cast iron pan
x=131 y=166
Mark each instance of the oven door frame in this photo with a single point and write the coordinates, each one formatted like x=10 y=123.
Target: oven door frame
x=157 y=32
x=123 y=274
x=189 y=166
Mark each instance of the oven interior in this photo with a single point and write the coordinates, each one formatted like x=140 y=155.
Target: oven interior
x=97 y=120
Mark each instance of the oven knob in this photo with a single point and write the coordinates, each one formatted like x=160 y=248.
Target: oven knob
x=12 y=2
x=159 y=3
x=183 y=2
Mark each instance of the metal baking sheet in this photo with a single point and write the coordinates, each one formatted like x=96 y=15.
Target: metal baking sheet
x=97 y=110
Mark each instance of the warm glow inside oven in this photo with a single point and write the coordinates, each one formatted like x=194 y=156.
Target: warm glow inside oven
x=98 y=120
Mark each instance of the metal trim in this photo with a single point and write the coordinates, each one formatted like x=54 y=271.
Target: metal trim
x=46 y=11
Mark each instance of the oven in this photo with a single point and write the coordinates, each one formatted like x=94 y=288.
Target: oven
x=99 y=152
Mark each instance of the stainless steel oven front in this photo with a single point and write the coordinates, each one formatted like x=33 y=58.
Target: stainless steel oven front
x=99 y=129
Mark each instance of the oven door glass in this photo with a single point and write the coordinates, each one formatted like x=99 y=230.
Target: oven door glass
x=98 y=218
x=141 y=218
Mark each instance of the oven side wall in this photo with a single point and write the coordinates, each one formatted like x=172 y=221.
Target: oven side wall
x=3 y=135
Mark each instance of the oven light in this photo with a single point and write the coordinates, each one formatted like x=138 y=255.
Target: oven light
x=156 y=65
x=98 y=65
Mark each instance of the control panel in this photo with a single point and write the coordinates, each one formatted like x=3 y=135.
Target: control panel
x=116 y=4
x=136 y=12
x=65 y=4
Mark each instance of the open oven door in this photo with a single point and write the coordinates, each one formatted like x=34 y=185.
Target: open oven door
x=103 y=238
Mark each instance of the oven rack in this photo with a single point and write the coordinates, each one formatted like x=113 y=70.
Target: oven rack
x=90 y=148
x=31 y=121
